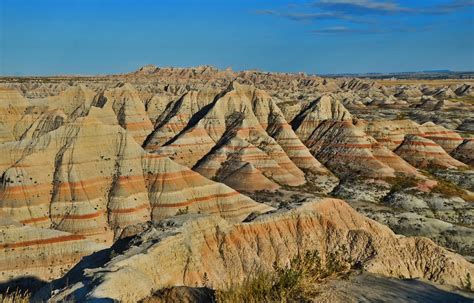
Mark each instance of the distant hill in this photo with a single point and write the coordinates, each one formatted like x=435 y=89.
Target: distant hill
x=427 y=74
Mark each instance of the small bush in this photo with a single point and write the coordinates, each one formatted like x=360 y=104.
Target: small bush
x=401 y=116
x=468 y=283
x=402 y=182
x=182 y=211
x=296 y=281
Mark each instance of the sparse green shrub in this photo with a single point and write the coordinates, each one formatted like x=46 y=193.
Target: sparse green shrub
x=283 y=205
x=205 y=280
x=449 y=189
x=400 y=183
x=401 y=116
x=468 y=281
x=296 y=281
x=182 y=211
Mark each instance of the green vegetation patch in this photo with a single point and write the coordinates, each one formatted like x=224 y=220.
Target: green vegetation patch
x=296 y=281
x=449 y=190
x=464 y=99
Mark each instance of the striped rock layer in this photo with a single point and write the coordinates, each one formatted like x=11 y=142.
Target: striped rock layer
x=238 y=133
x=447 y=139
x=43 y=253
x=73 y=176
x=327 y=129
x=65 y=180
x=129 y=109
x=224 y=253
x=315 y=112
x=346 y=150
x=22 y=119
x=75 y=101
x=424 y=153
x=391 y=133
x=175 y=115
x=74 y=173
x=349 y=146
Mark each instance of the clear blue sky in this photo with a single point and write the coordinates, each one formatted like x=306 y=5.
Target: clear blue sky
x=45 y=37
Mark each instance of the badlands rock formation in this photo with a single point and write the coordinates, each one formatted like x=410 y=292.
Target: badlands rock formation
x=129 y=109
x=29 y=251
x=237 y=134
x=198 y=246
x=65 y=181
x=179 y=164
x=423 y=153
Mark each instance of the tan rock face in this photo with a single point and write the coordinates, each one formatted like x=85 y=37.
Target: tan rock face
x=424 y=153
x=12 y=108
x=173 y=188
x=75 y=185
x=26 y=250
x=313 y=113
x=173 y=116
x=86 y=179
x=21 y=119
x=129 y=109
x=391 y=133
x=345 y=149
x=326 y=128
x=211 y=247
x=74 y=101
x=239 y=133
x=447 y=139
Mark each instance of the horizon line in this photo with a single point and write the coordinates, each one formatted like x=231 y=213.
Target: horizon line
x=58 y=75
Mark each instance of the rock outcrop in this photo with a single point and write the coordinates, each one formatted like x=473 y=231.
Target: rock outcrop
x=65 y=180
x=75 y=101
x=424 y=153
x=85 y=180
x=210 y=247
x=345 y=149
x=390 y=133
x=239 y=133
x=129 y=109
x=45 y=254
x=315 y=112
x=447 y=139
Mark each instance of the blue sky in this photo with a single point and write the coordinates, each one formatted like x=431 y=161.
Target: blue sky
x=46 y=37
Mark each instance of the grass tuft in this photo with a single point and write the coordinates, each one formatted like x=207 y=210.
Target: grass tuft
x=448 y=189
x=296 y=281
x=16 y=296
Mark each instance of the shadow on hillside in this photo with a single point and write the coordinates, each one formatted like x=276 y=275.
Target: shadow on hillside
x=374 y=288
x=24 y=284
